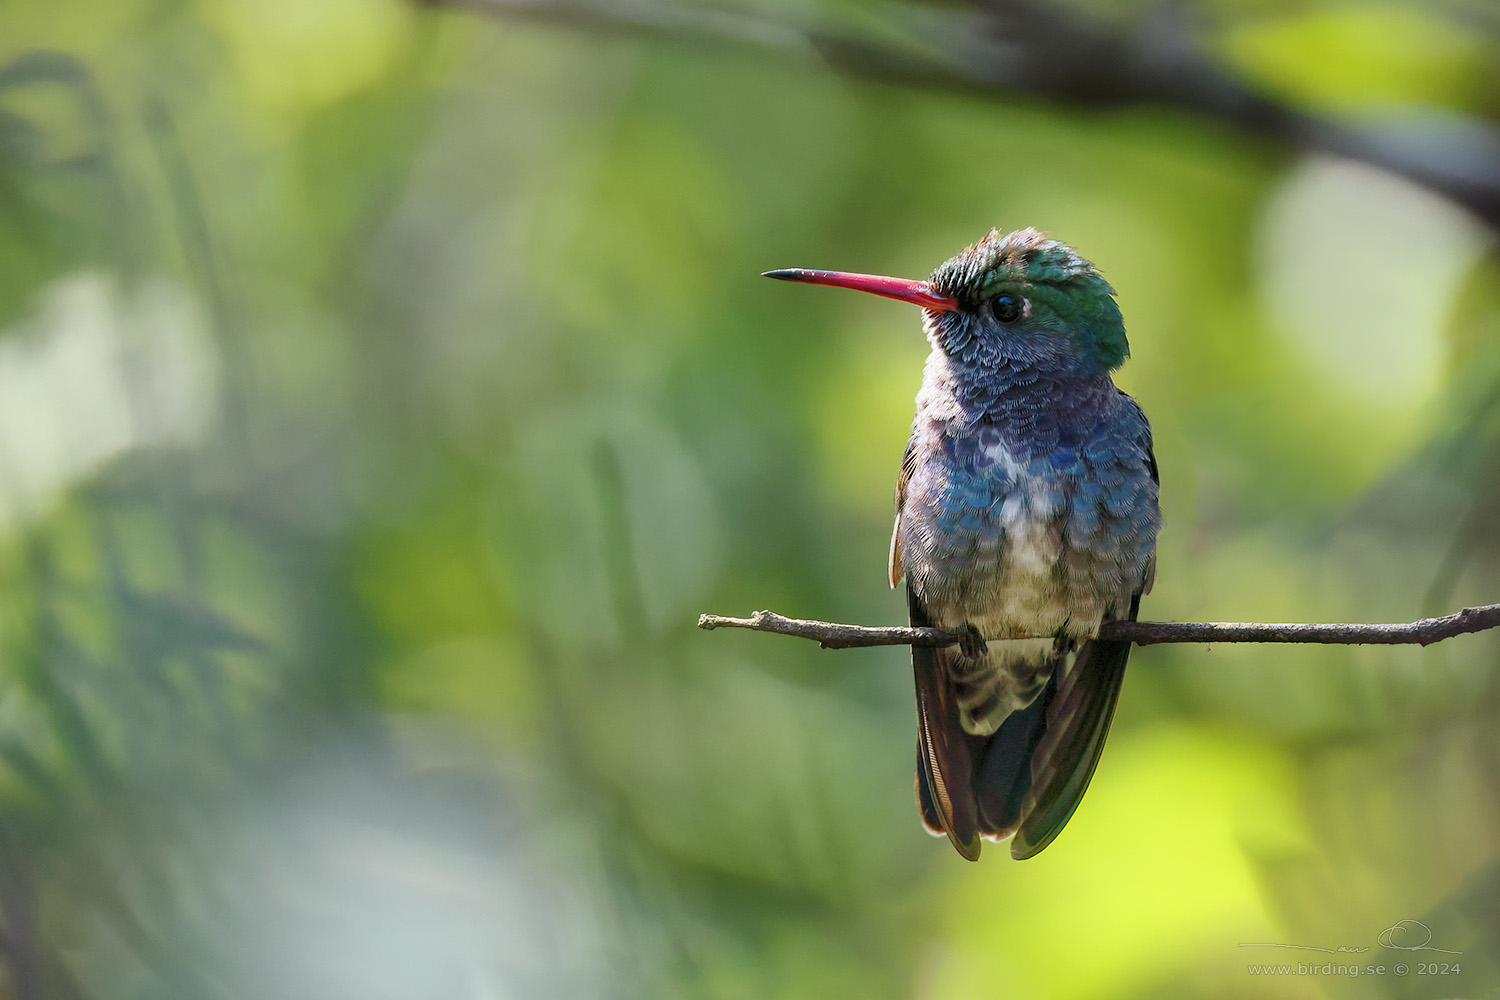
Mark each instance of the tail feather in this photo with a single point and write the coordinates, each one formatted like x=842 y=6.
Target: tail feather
x=1027 y=778
x=1003 y=775
x=927 y=798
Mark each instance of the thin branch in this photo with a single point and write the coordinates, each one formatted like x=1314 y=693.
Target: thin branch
x=1058 y=53
x=1424 y=632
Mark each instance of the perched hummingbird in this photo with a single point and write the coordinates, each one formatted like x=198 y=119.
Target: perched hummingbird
x=1026 y=504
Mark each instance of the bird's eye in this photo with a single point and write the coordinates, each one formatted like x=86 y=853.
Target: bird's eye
x=1008 y=308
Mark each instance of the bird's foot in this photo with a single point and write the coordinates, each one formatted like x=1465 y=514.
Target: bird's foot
x=1064 y=643
x=971 y=643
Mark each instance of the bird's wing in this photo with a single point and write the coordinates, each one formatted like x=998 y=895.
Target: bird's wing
x=1063 y=762
x=1150 y=574
x=945 y=792
x=908 y=462
x=1149 y=447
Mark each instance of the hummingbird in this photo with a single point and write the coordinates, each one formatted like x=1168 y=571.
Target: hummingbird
x=1026 y=505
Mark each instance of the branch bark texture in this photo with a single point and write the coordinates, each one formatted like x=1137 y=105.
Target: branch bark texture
x=1424 y=632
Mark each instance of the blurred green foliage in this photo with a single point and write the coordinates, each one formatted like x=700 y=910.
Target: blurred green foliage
x=383 y=393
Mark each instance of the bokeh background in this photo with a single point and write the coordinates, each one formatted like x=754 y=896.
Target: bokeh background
x=384 y=391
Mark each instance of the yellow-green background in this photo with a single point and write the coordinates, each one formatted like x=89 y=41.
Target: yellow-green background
x=384 y=392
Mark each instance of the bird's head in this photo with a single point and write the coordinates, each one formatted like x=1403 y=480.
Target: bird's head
x=1020 y=297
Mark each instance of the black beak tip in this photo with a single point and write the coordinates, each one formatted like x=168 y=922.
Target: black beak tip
x=784 y=274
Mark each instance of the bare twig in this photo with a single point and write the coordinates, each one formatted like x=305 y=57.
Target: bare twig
x=1058 y=53
x=833 y=635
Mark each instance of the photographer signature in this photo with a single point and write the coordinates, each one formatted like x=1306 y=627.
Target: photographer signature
x=1403 y=935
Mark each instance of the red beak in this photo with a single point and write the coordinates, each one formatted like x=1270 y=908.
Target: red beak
x=907 y=290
